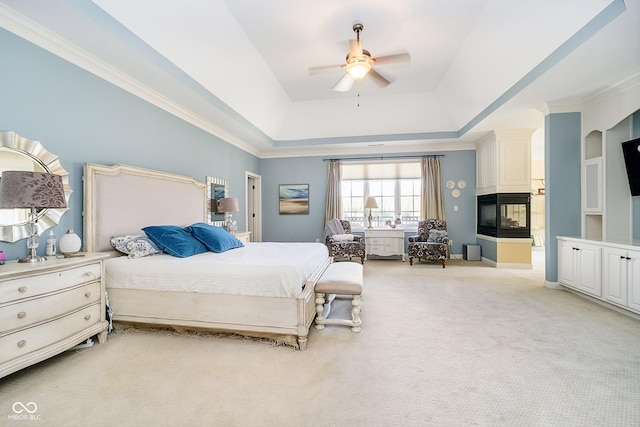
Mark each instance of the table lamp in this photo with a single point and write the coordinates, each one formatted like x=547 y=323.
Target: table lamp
x=370 y=203
x=33 y=190
x=227 y=205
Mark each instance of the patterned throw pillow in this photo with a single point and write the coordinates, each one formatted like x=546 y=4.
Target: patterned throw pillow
x=135 y=246
x=436 y=236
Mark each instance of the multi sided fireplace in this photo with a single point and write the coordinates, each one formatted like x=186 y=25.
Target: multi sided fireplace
x=504 y=215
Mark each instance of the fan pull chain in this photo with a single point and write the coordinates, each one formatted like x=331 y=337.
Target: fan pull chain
x=358 y=99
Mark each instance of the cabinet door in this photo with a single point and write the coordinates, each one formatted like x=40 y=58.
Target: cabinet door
x=590 y=269
x=566 y=263
x=593 y=185
x=633 y=280
x=614 y=271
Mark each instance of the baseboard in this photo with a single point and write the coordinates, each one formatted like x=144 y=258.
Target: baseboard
x=491 y=262
x=603 y=303
x=507 y=264
x=553 y=285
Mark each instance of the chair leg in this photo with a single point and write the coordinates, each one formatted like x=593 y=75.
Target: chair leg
x=410 y=260
x=443 y=263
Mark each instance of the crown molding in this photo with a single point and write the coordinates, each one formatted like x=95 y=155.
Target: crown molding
x=574 y=105
x=366 y=149
x=612 y=91
x=27 y=29
x=564 y=106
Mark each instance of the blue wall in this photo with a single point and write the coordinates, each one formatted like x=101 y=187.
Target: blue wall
x=455 y=165
x=563 y=184
x=82 y=118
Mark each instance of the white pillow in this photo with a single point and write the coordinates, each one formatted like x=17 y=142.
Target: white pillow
x=342 y=237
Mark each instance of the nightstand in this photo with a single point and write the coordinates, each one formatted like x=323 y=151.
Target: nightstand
x=384 y=241
x=49 y=307
x=244 y=236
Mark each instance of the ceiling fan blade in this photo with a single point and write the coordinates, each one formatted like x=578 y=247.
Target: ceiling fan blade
x=377 y=78
x=324 y=68
x=390 y=59
x=355 y=47
x=344 y=84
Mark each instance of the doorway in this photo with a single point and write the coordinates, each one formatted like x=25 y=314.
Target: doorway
x=254 y=205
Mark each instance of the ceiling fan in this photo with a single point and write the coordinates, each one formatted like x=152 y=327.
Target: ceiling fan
x=359 y=64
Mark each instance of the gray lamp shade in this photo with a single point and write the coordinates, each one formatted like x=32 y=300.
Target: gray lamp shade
x=228 y=204
x=24 y=189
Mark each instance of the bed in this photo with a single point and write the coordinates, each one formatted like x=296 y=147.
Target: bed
x=261 y=289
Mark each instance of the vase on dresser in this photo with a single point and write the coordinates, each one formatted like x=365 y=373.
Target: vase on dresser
x=69 y=243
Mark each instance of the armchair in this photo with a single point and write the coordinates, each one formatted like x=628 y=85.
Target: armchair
x=431 y=243
x=346 y=245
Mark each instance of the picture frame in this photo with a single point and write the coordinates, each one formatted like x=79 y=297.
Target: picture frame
x=294 y=199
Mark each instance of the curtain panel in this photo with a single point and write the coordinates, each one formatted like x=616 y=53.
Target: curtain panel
x=432 y=199
x=333 y=200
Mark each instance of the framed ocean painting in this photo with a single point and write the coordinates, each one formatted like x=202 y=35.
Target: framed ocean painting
x=294 y=199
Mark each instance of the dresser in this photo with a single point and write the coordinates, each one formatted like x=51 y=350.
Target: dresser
x=384 y=242
x=49 y=307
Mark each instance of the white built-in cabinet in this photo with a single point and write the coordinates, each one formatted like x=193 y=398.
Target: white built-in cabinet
x=503 y=162
x=621 y=275
x=606 y=199
x=580 y=266
x=606 y=271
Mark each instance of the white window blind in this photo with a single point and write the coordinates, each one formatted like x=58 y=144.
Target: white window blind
x=381 y=170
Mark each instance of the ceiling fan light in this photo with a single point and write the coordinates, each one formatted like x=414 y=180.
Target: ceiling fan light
x=358 y=68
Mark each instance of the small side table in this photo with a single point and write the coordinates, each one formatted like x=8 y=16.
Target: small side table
x=244 y=236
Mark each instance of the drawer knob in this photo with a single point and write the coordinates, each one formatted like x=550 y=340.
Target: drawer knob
x=22 y=343
x=22 y=315
x=90 y=274
x=87 y=317
x=22 y=289
x=87 y=294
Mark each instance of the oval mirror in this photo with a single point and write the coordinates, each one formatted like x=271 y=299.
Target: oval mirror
x=19 y=153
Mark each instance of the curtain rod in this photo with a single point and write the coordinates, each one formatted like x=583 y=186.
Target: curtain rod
x=385 y=158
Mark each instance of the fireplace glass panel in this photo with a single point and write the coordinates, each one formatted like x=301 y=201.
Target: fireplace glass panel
x=504 y=215
x=513 y=215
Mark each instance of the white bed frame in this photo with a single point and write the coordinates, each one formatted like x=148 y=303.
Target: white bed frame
x=120 y=200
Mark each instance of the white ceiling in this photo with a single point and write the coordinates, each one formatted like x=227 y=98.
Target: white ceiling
x=239 y=68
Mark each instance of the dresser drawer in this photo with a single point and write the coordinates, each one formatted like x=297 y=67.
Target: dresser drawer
x=375 y=241
x=385 y=233
x=24 y=313
x=38 y=284
x=28 y=340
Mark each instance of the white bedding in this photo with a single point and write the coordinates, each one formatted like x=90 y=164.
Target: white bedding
x=262 y=269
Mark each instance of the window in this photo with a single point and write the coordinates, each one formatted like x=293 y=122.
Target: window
x=353 y=202
x=395 y=197
x=395 y=185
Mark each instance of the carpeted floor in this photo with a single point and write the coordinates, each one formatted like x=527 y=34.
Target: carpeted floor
x=465 y=345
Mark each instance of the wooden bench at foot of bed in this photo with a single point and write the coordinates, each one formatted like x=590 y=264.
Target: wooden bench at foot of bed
x=340 y=278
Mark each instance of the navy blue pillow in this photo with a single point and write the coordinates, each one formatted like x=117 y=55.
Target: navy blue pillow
x=215 y=238
x=174 y=240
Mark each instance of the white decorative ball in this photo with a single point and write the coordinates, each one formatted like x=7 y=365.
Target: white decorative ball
x=69 y=243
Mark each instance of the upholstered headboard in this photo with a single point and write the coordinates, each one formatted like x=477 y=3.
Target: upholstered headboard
x=120 y=200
